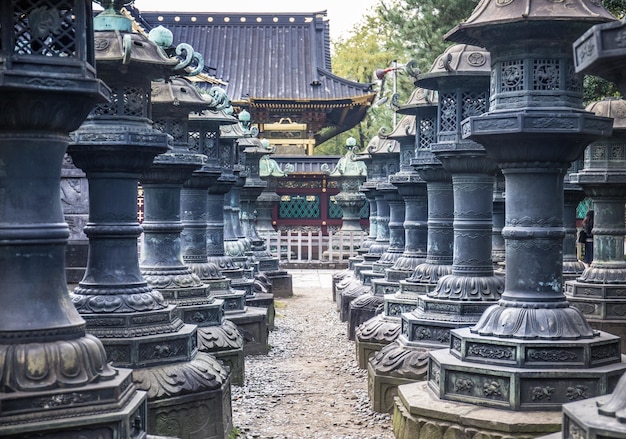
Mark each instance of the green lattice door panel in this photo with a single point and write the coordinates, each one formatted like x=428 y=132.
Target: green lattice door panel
x=299 y=206
x=334 y=210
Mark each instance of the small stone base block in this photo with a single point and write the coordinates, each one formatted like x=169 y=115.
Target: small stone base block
x=282 y=284
x=418 y=414
x=97 y=410
x=615 y=327
x=264 y=300
x=366 y=350
x=383 y=389
x=205 y=414
x=581 y=420
x=234 y=360
x=384 y=286
x=252 y=324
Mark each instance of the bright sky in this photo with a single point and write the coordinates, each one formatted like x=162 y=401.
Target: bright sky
x=342 y=14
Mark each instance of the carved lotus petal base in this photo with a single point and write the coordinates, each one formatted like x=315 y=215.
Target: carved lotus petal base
x=379 y=329
x=604 y=275
x=206 y=271
x=161 y=279
x=116 y=300
x=202 y=373
x=402 y=361
x=429 y=273
x=547 y=321
x=408 y=263
x=53 y=364
x=219 y=337
x=223 y=262
x=453 y=287
x=574 y=267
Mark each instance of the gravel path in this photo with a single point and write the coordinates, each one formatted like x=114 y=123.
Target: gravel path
x=309 y=385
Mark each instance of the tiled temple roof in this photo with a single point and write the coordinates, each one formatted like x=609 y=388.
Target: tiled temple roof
x=273 y=62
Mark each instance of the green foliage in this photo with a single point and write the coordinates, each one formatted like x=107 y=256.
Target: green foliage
x=596 y=89
x=394 y=30
x=418 y=26
x=234 y=433
x=616 y=7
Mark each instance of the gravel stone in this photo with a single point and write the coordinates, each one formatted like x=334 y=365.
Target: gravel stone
x=309 y=384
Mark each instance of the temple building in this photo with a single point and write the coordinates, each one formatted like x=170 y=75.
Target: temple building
x=277 y=67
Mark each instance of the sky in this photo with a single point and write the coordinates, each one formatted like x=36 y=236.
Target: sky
x=342 y=14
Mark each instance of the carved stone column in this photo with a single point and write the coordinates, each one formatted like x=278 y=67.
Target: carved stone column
x=266 y=264
x=460 y=76
x=138 y=328
x=384 y=328
x=56 y=378
x=162 y=263
x=598 y=291
x=203 y=207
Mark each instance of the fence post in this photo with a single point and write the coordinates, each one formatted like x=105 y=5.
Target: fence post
x=299 y=245
x=330 y=246
x=310 y=246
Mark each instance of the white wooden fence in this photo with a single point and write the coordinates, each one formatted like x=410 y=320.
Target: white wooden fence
x=314 y=246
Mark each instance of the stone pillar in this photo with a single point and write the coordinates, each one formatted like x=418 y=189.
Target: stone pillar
x=138 y=328
x=497 y=240
x=598 y=291
x=161 y=261
x=460 y=76
x=75 y=201
x=258 y=288
x=266 y=264
x=381 y=159
x=203 y=204
x=572 y=196
x=532 y=351
x=54 y=375
x=384 y=328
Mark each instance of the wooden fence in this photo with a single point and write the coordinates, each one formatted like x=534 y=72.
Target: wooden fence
x=314 y=247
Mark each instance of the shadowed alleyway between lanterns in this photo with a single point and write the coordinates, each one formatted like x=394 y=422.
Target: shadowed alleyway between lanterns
x=309 y=385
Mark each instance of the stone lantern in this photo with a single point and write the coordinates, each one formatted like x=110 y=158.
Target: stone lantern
x=460 y=76
x=268 y=171
x=203 y=207
x=600 y=51
x=384 y=328
x=532 y=351
x=55 y=376
x=265 y=263
x=161 y=261
x=236 y=247
x=381 y=159
x=139 y=329
x=351 y=174
x=384 y=161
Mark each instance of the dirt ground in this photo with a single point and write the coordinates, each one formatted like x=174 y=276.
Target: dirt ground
x=309 y=385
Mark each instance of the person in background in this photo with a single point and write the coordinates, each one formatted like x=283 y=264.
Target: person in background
x=588 y=237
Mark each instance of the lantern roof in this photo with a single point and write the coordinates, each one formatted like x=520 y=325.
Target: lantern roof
x=615 y=108
x=536 y=19
x=177 y=93
x=420 y=98
x=458 y=61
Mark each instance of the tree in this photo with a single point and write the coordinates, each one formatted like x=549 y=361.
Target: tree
x=401 y=30
x=418 y=26
x=596 y=88
x=355 y=58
